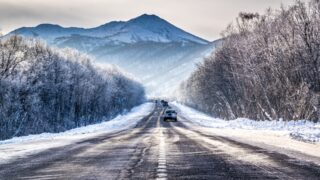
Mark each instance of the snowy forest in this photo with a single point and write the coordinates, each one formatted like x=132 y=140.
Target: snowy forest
x=267 y=67
x=43 y=89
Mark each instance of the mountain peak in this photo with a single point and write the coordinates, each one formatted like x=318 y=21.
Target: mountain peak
x=148 y=16
x=164 y=30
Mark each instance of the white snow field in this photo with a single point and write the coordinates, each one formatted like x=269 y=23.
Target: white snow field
x=26 y=145
x=302 y=129
x=296 y=136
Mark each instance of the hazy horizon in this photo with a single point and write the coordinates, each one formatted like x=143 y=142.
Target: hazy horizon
x=206 y=18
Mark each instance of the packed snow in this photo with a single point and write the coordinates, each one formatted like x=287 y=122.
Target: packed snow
x=301 y=130
x=27 y=145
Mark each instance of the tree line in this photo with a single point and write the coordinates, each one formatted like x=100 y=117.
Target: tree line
x=43 y=89
x=267 y=67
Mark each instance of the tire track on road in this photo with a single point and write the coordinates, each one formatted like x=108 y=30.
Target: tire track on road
x=87 y=152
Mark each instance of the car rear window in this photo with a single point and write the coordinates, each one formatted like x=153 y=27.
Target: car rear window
x=170 y=111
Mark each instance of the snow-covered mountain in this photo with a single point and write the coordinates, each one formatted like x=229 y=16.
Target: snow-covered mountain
x=158 y=53
x=143 y=28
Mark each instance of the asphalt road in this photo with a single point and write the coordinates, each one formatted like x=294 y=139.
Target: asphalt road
x=159 y=150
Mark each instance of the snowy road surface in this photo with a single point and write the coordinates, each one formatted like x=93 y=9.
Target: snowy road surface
x=154 y=149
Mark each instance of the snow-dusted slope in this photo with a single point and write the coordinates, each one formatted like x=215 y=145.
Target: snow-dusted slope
x=153 y=28
x=48 y=32
x=160 y=66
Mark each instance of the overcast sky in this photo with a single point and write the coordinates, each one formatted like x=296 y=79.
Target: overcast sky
x=204 y=18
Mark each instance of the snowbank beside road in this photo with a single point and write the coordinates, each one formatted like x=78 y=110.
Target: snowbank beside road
x=301 y=130
x=26 y=145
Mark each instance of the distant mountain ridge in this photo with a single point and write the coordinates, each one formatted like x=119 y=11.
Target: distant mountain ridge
x=141 y=29
x=158 y=53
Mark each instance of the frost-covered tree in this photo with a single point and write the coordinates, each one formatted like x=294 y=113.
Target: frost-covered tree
x=43 y=89
x=268 y=67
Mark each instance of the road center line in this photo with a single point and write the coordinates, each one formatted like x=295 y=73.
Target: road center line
x=162 y=162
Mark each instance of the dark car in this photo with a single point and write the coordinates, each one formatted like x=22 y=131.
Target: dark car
x=164 y=103
x=169 y=114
